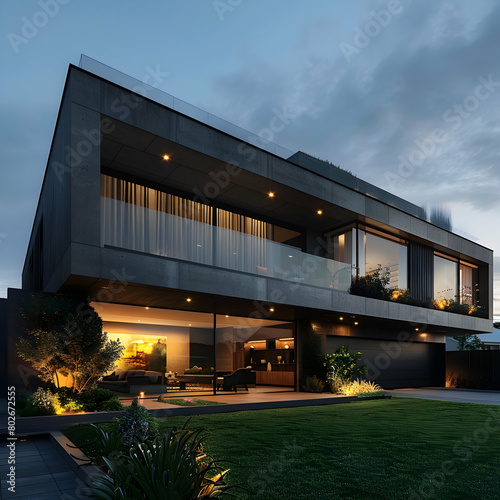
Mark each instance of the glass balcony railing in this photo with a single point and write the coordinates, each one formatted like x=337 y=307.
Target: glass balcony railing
x=133 y=227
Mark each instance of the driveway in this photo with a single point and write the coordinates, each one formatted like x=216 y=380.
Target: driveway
x=464 y=395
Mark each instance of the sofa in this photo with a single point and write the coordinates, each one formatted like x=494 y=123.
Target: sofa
x=133 y=381
x=197 y=375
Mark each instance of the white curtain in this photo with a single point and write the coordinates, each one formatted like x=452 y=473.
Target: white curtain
x=242 y=243
x=146 y=220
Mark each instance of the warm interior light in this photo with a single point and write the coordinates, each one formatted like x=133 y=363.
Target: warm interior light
x=319 y=212
x=147 y=307
x=141 y=394
x=416 y=329
x=227 y=315
x=341 y=318
x=271 y=309
x=356 y=323
x=270 y=194
x=189 y=324
x=188 y=299
x=287 y=346
x=166 y=157
x=288 y=338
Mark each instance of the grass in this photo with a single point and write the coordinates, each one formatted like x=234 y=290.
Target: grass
x=192 y=402
x=382 y=449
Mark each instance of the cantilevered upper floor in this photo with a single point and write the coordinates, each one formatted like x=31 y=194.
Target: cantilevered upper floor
x=141 y=202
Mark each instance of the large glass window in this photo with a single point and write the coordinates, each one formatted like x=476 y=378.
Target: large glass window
x=445 y=278
x=375 y=250
x=388 y=255
x=468 y=283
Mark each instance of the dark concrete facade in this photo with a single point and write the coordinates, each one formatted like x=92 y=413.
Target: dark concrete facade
x=103 y=127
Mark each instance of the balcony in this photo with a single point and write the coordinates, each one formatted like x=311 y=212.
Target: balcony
x=133 y=227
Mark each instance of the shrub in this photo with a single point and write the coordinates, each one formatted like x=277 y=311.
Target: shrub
x=343 y=364
x=313 y=384
x=334 y=383
x=112 y=404
x=174 y=466
x=355 y=387
x=69 y=399
x=372 y=285
x=41 y=402
x=94 y=399
x=137 y=425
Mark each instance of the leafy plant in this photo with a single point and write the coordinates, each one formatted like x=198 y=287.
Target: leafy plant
x=374 y=284
x=313 y=384
x=112 y=404
x=41 y=402
x=137 y=425
x=343 y=364
x=173 y=467
x=94 y=399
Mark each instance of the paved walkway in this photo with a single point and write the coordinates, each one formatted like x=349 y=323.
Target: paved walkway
x=41 y=472
x=463 y=395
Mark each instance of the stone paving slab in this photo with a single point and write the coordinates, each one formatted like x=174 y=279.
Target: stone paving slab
x=42 y=472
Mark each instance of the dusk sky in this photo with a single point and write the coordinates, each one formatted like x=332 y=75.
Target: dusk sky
x=403 y=94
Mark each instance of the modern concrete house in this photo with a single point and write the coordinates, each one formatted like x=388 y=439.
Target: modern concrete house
x=219 y=251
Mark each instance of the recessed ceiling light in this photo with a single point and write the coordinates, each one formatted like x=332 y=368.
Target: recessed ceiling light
x=319 y=212
x=188 y=299
x=189 y=324
x=356 y=323
x=138 y=321
x=416 y=329
x=166 y=157
x=270 y=194
x=227 y=315
x=272 y=309
x=341 y=318
x=147 y=307
x=290 y=256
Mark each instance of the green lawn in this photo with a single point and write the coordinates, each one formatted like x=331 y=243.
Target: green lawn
x=383 y=449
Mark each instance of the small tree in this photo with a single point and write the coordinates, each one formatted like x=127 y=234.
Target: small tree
x=469 y=342
x=343 y=364
x=66 y=336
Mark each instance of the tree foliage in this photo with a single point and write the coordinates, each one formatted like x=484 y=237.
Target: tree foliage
x=469 y=342
x=65 y=335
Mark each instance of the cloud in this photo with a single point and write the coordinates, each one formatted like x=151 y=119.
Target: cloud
x=384 y=107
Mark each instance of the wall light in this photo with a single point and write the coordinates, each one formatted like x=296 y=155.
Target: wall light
x=147 y=307
x=271 y=309
x=166 y=157
x=270 y=194
x=356 y=323
x=188 y=299
x=319 y=212
x=341 y=318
